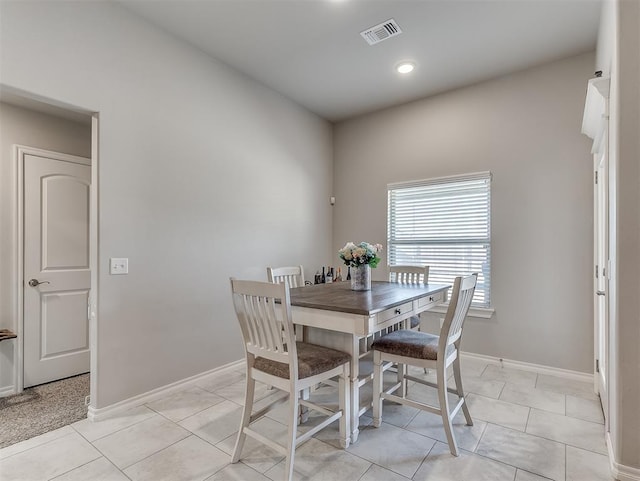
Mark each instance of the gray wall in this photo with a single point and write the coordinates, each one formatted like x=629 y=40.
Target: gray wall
x=203 y=174
x=525 y=129
x=33 y=129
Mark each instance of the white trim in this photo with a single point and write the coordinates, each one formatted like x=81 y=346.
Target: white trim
x=528 y=366
x=98 y=414
x=94 y=264
x=620 y=471
x=7 y=391
x=481 y=312
x=20 y=151
x=439 y=180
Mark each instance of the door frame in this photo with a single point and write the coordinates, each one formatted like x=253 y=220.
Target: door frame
x=602 y=319
x=20 y=151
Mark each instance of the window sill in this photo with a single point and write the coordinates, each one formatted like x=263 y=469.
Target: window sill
x=481 y=312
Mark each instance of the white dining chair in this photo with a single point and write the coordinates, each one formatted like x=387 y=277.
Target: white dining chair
x=294 y=275
x=274 y=357
x=407 y=347
x=410 y=275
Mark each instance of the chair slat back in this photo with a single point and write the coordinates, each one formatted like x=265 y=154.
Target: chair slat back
x=409 y=274
x=264 y=313
x=463 y=289
x=294 y=275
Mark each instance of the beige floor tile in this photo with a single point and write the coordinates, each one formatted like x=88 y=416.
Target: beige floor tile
x=99 y=470
x=427 y=395
x=317 y=461
x=36 y=441
x=499 y=412
x=235 y=392
x=587 y=409
x=93 y=430
x=326 y=396
x=430 y=375
x=530 y=453
x=132 y=444
x=49 y=459
x=480 y=385
x=396 y=414
x=430 y=425
x=396 y=449
x=331 y=433
x=255 y=454
x=441 y=465
x=470 y=366
x=238 y=472
x=190 y=459
x=510 y=375
x=216 y=423
x=216 y=381
x=564 y=429
x=527 y=476
x=185 y=403
x=410 y=443
x=535 y=398
x=566 y=386
x=378 y=473
x=587 y=466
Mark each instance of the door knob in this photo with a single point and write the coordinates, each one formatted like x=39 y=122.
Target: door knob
x=36 y=282
x=600 y=293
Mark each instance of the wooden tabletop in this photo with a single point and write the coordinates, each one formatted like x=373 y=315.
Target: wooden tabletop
x=338 y=296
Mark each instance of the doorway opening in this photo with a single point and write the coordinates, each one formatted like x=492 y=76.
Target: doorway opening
x=51 y=156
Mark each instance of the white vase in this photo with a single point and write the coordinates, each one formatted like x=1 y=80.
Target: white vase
x=361 y=278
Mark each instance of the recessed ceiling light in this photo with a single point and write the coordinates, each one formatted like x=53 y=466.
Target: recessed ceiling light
x=405 y=67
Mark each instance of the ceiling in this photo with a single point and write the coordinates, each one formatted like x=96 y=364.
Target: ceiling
x=311 y=50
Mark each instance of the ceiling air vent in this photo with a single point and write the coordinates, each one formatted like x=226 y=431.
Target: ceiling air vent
x=381 y=32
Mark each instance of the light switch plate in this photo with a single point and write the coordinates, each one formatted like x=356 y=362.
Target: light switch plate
x=119 y=265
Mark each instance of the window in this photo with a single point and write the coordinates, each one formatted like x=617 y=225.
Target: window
x=444 y=223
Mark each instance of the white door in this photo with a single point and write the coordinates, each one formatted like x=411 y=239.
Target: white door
x=601 y=284
x=56 y=266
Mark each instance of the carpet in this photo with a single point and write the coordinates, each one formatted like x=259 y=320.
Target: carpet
x=43 y=408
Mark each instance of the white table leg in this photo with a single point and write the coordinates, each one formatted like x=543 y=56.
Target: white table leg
x=354 y=350
x=350 y=344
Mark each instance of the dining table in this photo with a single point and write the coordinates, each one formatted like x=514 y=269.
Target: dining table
x=334 y=315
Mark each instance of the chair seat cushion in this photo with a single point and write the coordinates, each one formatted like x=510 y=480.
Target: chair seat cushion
x=312 y=360
x=407 y=343
x=414 y=321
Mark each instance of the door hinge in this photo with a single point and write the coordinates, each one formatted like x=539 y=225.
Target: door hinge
x=596 y=271
x=597 y=365
x=596 y=176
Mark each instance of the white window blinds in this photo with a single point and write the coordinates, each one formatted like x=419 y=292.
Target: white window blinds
x=444 y=223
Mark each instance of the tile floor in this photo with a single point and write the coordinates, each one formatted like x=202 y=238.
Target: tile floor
x=528 y=427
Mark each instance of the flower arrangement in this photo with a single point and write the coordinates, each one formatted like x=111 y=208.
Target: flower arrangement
x=361 y=254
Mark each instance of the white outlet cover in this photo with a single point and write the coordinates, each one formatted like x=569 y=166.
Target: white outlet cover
x=119 y=265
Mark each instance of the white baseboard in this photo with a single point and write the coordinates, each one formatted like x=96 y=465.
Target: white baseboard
x=527 y=366
x=7 y=391
x=98 y=414
x=620 y=471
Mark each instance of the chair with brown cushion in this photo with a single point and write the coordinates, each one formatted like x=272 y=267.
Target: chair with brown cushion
x=410 y=275
x=274 y=357
x=407 y=347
